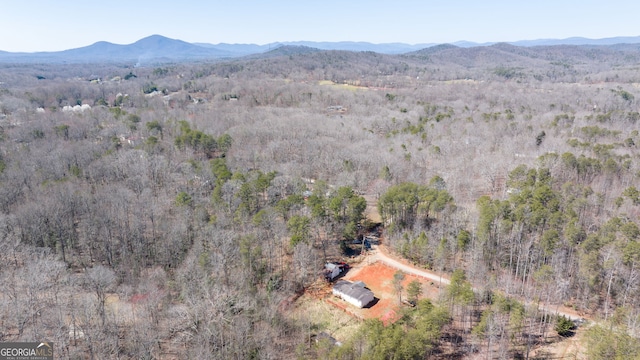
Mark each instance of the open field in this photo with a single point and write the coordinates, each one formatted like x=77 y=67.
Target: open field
x=378 y=278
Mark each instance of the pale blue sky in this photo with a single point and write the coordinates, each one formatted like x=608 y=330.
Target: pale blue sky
x=51 y=25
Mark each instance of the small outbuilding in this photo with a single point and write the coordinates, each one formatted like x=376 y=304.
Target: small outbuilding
x=354 y=293
x=323 y=336
x=333 y=270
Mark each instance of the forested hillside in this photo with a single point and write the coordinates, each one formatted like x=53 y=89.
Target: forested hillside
x=178 y=211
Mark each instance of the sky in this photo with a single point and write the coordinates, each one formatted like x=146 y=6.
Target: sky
x=53 y=25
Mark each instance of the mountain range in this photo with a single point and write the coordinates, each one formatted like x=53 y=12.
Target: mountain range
x=159 y=49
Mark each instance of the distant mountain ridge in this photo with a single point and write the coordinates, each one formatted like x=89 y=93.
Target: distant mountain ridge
x=160 y=49
x=155 y=48
x=250 y=49
x=579 y=41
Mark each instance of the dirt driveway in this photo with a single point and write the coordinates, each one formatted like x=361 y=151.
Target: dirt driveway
x=378 y=277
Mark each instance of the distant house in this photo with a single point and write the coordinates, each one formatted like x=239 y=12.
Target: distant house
x=354 y=293
x=76 y=108
x=131 y=140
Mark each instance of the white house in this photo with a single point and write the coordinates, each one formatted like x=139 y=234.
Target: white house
x=331 y=271
x=354 y=293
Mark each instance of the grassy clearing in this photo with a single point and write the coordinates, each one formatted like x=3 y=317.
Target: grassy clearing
x=342 y=86
x=326 y=317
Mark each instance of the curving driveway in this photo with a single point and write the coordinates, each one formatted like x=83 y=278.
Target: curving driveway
x=381 y=254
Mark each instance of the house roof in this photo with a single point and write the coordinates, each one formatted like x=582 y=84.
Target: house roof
x=330 y=266
x=355 y=290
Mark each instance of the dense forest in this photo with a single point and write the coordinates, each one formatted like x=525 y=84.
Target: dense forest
x=178 y=210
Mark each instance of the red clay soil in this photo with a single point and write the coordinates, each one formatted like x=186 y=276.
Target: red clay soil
x=379 y=278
